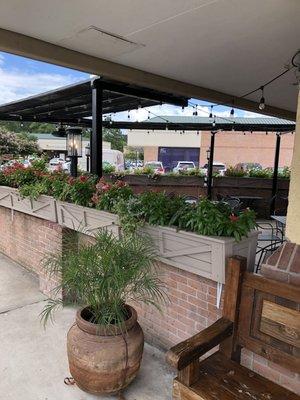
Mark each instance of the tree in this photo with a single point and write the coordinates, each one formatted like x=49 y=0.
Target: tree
x=115 y=137
x=31 y=127
x=14 y=144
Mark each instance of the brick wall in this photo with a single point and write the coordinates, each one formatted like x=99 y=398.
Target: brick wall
x=232 y=148
x=150 y=153
x=27 y=240
x=192 y=299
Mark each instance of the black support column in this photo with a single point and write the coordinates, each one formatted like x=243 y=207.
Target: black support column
x=275 y=174
x=210 y=165
x=96 y=137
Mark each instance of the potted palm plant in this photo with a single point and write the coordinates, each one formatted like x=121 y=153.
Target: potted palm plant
x=104 y=275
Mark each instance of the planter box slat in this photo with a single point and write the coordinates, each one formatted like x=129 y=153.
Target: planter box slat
x=86 y=220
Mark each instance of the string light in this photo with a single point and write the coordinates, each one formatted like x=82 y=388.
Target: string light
x=232 y=113
x=128 y=116
x=214 y=121
x=148 y=114
x=262 y=103
x=195 y=112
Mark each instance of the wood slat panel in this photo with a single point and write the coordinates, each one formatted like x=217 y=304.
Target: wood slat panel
x=276 y=288
x=281 y=323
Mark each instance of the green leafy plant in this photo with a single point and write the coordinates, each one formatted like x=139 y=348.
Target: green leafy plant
x=105 y=275
x=78 y=190
x=108 y=168
x=17 y=175
x=108 y=195
x=261 y=173
x=158 y=207
x=214 y=219
x=235 y=172
x=192 y=172
x=285 y=173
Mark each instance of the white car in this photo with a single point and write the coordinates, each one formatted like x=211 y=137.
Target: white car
x=218 y=167
x=184 y=166
x=157 y=166
x=57 y=163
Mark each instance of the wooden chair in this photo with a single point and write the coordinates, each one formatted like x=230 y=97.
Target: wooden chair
x=259 y=314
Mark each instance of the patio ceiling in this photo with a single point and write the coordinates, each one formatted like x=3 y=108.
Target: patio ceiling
x=216 y=50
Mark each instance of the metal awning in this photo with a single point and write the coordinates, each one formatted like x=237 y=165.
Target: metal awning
x=73 y=104
x=186 y=123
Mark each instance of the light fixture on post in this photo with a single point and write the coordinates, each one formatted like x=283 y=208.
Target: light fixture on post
x=87 y=154
x=208 y=154
x=74 y=147
x=262 y=103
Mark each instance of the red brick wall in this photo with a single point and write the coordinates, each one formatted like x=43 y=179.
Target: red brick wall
x=232 y=148
x=27 y=240
x=192 y=299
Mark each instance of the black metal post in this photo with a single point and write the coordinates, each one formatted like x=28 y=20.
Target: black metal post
x=210 y=165
x=96 y=136
x=73 y=166
x=88 y=163
x=275 y=174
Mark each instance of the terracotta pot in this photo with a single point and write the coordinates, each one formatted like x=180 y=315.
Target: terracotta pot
x=104 y=359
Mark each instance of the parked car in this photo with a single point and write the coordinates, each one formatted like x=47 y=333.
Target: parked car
x=218 y=167
x=248 y=166
x=184 y=165
x=58 y=163
x=157 y=166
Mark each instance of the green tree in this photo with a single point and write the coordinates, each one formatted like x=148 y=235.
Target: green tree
x=115 y=137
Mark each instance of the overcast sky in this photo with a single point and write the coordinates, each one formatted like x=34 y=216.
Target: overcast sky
x=21 y=77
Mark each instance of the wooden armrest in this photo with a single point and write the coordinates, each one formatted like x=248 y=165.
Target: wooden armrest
x=181 y=355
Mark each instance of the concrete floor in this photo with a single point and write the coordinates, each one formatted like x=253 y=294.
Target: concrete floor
x=33 y=360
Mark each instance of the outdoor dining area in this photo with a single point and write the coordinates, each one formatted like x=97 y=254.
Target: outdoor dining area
x=141 y=285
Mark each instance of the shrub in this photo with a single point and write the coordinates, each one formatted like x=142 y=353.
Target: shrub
x=285 y=173
x=261 y=173
x=214 y=219
x=235 y=172
x=108 y=195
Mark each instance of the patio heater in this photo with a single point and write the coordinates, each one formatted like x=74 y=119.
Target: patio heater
x=88 y=154
x=74 y=148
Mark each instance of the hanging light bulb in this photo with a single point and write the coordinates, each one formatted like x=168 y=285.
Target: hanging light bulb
x=195 y=112
x=21 y=124
x=128 y=116
x=182 y=108
x=197 y=133
x=232 y=113
x=148 y=114
x=214 y=121
x=211 y=113
x=262 y=103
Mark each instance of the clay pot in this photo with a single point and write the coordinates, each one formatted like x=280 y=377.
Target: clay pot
x=104 y=359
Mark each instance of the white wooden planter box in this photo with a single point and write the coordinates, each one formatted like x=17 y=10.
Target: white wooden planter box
x=202 y=255
x=86 y=220
x=44 y=207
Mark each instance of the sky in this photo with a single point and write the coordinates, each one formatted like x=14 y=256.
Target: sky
x=22 y=77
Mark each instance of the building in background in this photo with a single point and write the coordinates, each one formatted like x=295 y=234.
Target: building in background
x=231 y=147
x=55 y=146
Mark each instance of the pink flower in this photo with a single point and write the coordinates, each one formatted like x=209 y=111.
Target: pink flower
x=83 y=178
x=233 y=218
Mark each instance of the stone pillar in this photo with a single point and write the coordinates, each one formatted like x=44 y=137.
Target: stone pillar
x=293 y=216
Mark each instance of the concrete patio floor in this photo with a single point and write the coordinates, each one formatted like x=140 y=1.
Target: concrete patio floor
x=33 y=361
